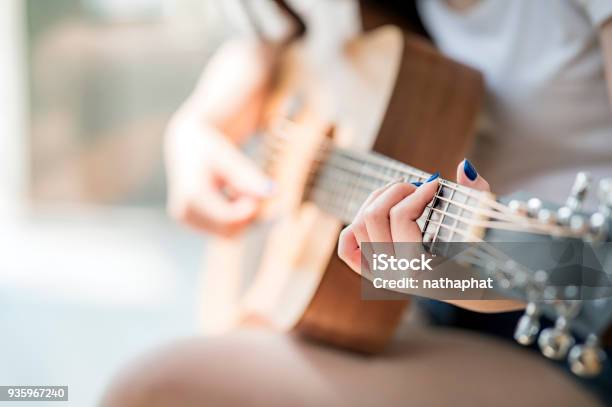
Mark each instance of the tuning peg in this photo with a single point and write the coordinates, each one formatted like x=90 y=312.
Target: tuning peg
x=586 y=360
x=581 y=185
x=556 y=342
x=604 y=194
x=546 y=216
x=528 y=326
x=518 y=207
x=578 y=224
x=564 y=214
x=534 y=206
x=598 y=226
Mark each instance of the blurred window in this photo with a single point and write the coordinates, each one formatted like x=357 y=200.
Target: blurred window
x=104 y=77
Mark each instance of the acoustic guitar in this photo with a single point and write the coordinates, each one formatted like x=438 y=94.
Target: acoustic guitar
x=391 y=92
x=328 y=141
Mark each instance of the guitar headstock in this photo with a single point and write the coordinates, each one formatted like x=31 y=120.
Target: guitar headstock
x=568 y=220
x=576 y=288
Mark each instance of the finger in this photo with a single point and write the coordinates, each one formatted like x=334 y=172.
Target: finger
x=358 y=226
x=210 y=211
x=375 y=194
x=468 y=176
x=348 y=249
x=360 y=231
x=357 y=231
x=404 y=215
x=240 y=173
x=376 y=214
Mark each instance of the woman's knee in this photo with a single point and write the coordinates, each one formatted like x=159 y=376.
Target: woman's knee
x=250 y=367
x=185 y=373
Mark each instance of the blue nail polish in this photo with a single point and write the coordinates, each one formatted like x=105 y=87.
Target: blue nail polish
x=433 y=177
x=469 y=170
x=417 y=184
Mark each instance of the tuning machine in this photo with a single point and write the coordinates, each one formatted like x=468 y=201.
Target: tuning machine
x=582 y=182
x=586 y=360
x=528 y=325
x=534 y=209
x=598 y=223
x=604 y=194
x=565 y=215
x=598 y=227
x=555 y=342
x=534 y=206
x=517 y=207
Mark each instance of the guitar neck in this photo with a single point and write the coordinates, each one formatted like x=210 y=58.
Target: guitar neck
x=345 y=178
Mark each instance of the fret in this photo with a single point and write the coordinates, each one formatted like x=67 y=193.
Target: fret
x=446 y=205
x=326 y=195
x=387 y=172
x=431 y=217
x=446 y=233
x=375 y=171
x=335 y=187
x=353 y=204
x=334 y=198
x=344 y=187
x=440 y=216
x=455 y=222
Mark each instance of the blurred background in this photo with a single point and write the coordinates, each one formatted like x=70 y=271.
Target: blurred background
x=92 y=272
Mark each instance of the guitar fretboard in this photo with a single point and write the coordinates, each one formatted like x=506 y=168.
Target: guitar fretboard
x=344 y=179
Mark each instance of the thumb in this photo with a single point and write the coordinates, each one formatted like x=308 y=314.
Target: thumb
x=468 y=176
x=240 y=173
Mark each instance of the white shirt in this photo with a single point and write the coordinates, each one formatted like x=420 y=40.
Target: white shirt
x=547 y=110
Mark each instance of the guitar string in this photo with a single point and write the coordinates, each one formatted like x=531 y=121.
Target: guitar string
x=445 y=183
x=475 y=222
x=331 y=178
x=488 y=224
x=480 y=211
x=326 y=146
x=433 y=223
x=385 y=164
x=377 y=181
x=497 y=224
x=330 y=186
x=403 y=168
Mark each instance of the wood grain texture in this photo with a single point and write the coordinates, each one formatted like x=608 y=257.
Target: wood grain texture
x=432 y=113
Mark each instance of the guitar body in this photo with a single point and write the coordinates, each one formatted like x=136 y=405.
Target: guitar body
x=389 y=92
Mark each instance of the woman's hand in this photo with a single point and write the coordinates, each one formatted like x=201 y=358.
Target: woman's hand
x=212 y=185
x=390 y=213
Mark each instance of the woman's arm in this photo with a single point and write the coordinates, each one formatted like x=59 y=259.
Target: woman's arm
x=213 y=187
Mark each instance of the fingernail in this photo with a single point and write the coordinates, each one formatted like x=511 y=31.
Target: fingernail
x=469 y=170
x=433 y=177
x=417 y=184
